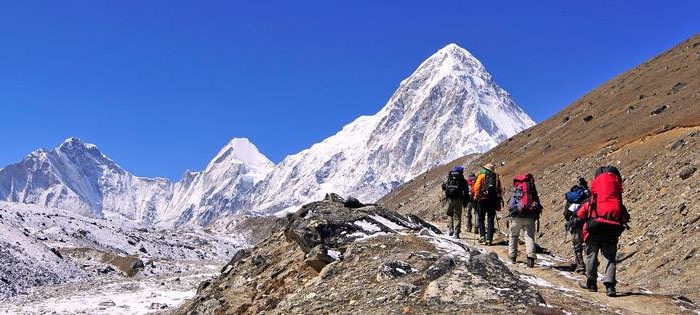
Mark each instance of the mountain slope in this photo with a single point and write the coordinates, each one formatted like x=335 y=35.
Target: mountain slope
x=79 y=177
x=448 y=107
x=645 y=121
x=221 y=187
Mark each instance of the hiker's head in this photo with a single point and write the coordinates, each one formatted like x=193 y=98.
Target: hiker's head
x=488 y=167
x=458 y=168
x=582 y=182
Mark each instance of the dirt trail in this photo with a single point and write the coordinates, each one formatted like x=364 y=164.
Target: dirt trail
x=561 y=291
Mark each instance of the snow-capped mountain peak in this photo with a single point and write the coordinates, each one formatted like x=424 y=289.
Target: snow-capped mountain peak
x=447 y=108
x=241 y=151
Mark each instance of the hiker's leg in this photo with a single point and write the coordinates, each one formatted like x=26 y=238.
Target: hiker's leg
x=513 y=234
x=491 y=214
x=476 y=217
x=577 y=241
x=450 y=212
x=458 y=216
x=592 y=247
x=468 y=210
x=481 y=211
x=609 y=250
x=529 y=226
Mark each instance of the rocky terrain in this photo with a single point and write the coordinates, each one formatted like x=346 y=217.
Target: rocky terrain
x=646 y=122
x=328 y=258
x=51 y=254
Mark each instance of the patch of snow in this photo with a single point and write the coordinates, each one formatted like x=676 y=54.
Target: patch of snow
x=336 y=255
x=542 y=283
x=388 y=223
x=367 y=226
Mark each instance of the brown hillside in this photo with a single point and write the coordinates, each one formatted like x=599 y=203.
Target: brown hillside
x=645 y=121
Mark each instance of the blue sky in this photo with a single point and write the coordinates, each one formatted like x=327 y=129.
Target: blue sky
x=161 y=86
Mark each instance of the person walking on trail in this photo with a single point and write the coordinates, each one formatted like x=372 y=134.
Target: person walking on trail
x=605 y=218
x=471 y=204
x=525 y=208
x=457 y=194
x=489 y=198
x=577 y=195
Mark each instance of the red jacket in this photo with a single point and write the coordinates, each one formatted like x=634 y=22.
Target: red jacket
x=606 y=190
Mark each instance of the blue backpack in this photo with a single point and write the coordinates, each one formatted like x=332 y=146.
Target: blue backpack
x=577 y=194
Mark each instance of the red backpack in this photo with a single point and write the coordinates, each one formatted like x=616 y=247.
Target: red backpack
x=525 y=202
x=606 y=199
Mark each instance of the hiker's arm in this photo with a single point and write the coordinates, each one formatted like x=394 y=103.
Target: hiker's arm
x=582 y=212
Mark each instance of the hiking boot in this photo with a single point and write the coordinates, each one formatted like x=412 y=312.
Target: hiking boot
x=488 y=243
x=580 y=270
x=590 y=285
x=513 y=259
x=456 y=234
x=482 y=240
x=610 y=290
x=450 y=233
x=530 y=262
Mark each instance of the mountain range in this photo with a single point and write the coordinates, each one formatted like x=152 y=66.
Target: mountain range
x=450 y=106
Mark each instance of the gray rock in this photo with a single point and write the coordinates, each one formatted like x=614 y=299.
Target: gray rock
x=318 y=257
x=394 y=269
x=158 y=306
x=107 y=303
x=440 y=267
x=687 y=171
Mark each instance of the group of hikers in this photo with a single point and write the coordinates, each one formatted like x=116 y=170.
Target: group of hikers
x=594 y=216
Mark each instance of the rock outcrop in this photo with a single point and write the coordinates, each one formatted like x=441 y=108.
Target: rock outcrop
x=332 y=259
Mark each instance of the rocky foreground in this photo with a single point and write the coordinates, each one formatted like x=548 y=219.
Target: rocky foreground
x=331 y=258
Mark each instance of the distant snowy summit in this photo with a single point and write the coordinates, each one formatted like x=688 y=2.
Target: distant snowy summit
x=449 y=107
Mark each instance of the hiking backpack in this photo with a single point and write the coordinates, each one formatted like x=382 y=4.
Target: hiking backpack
x=489 y=187
x=576 y=194
x=454 y=186
x=606 y=200
x=525 y=202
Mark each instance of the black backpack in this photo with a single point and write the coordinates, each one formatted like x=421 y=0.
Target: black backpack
x=453 y=186
x=489 y=188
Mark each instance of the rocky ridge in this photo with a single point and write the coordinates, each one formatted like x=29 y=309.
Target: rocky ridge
x=330 y=258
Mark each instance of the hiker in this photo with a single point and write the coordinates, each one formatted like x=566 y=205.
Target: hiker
x=457 y=195
x=471 y=204
x=489 y=198
x=577 y=195
x=605 y=218
x=525 y=208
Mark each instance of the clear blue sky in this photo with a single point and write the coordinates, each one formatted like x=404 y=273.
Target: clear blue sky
x=161 y=86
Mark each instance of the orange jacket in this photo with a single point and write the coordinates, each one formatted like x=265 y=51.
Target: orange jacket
x=480 y=181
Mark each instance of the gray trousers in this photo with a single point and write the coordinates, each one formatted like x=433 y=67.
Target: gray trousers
x=607 y=245
x=468 y=210
x=528 y=226
x=454 y=206
x=577 y=242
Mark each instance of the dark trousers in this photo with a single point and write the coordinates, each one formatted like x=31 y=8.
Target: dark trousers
x=607 y=245
x=486 y=210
